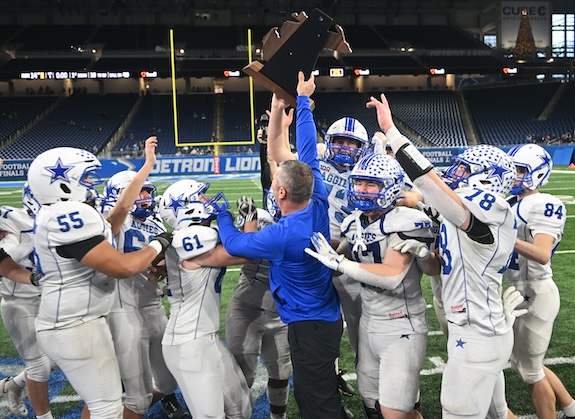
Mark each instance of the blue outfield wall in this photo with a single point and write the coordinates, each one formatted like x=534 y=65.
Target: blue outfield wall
x=228 y=164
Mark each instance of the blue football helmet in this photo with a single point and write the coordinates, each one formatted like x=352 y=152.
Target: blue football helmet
x=345 y=128
x=143 y=206
x=536 y=164
x=382 y=169
x=482 y=166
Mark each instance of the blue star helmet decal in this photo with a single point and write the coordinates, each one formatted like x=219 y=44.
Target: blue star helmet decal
x=499 y=172
x=59 y=171
x=175 y=204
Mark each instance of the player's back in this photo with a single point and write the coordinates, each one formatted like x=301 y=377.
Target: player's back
x=20 y=246
x=472 y=271
x=194 y=295
x=72 y=293
x=536 y=213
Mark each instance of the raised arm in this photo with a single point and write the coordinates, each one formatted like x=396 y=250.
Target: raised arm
x=420 y=169
x=131 y=193
x=278 y=132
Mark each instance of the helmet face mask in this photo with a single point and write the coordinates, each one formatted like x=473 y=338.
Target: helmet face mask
x=341 y=130
x=184 y=203
x=64 y=174
x=535 y=165
x=380 y=170
x=482 y=166
x=28 y=201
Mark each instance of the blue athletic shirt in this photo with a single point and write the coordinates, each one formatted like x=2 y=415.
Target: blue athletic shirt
x=301 y=286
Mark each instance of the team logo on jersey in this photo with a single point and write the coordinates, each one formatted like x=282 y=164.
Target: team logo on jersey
x=175 y=204
x=59 y=171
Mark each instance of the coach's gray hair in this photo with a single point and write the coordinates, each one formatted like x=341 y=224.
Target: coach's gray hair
x=297 y=179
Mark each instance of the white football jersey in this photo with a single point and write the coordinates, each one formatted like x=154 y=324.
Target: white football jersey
x=471 y=272
x=136 y=291
x=336 y=184
x=194 y=295
x=534 y=214
x=19 y=244
x=405 y=303
x=72 y=293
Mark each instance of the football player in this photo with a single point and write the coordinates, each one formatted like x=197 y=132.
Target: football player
x=476 y=241
x=393 y=327
x=211 y=381
x=541 y=221
x=346 y=141
x=20 y=303
x=138 y=318
x=73 y=244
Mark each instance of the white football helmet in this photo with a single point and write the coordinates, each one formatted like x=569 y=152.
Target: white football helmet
x=64 y=174
x=143 y=207
x=349 y=128
x=184 y=203
x=382 y=169
x=30 y=203
x=536 y=164
x=482 y=166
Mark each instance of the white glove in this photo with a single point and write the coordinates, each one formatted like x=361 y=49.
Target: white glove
x=413 y=247
x=324 y=252
x=511 y=299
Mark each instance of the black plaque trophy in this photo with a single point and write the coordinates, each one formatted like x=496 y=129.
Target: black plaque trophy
x=294 y=47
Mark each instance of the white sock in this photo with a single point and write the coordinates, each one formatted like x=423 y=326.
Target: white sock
x=20 y=379
x=569 y=410
x=45 y=416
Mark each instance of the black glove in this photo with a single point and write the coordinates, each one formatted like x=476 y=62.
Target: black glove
x=35 y=278
x=165 y=239
x=247 y=208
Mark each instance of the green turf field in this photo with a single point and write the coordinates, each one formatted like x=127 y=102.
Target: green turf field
x=560 y=357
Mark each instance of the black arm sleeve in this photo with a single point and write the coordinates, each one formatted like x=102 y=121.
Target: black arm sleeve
x=479 y=232
x=3 y=255
x=79 y=249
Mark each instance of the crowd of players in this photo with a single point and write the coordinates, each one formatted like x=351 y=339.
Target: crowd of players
x=352 y=229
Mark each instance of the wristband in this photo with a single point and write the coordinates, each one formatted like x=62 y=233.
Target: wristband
x=154 y=244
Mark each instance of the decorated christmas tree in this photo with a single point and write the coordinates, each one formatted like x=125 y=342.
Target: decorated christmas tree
x=525 y=44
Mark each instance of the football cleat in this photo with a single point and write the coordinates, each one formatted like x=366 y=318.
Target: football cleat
x=14 y=397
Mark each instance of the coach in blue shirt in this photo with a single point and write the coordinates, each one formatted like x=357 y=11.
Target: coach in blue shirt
x=301 y=286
